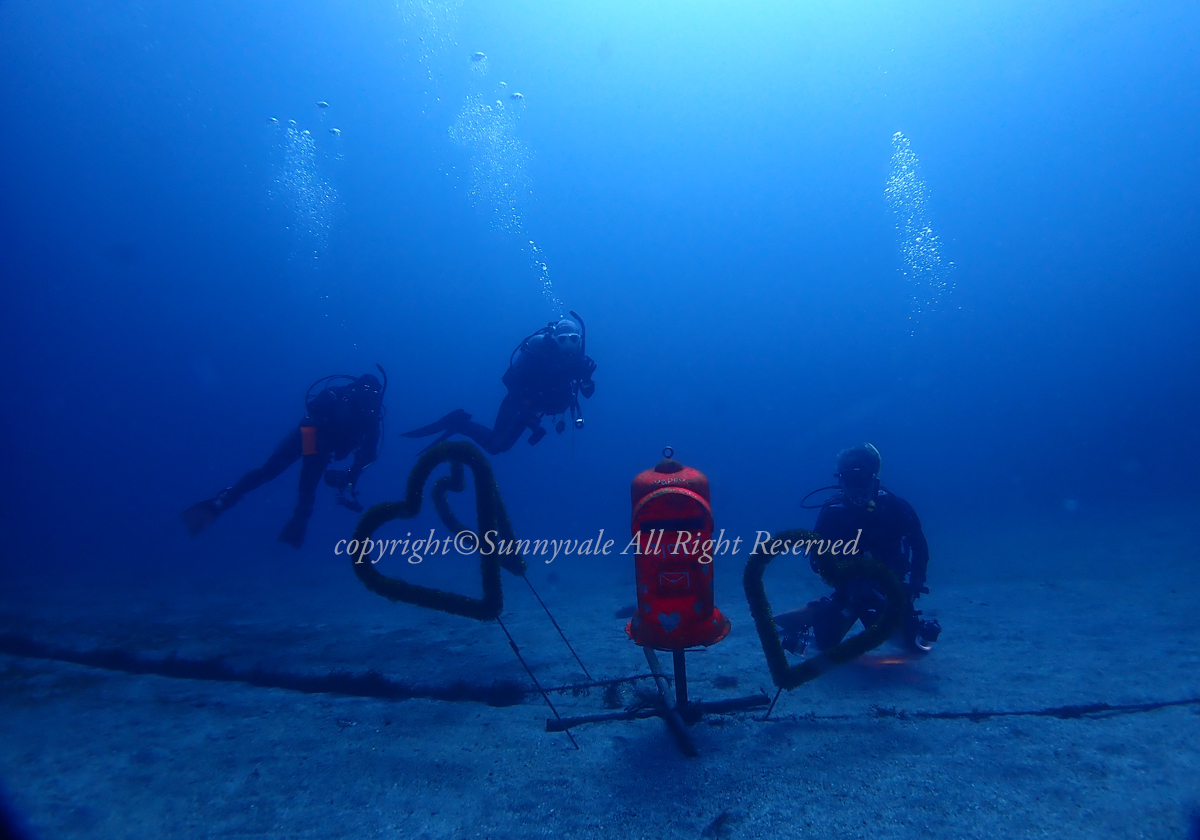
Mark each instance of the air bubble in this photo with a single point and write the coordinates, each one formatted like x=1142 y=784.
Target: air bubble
x=920 y=247
x=303 y=189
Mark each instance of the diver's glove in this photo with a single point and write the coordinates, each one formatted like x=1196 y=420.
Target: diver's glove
x=350 y=501
x=338 y=479
x=798 y=642
x=347 y=494
x=920 y=633
x=586 y=386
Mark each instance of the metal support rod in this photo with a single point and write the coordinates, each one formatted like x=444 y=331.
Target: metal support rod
x=717 y=707
x=561 y=634
x=773 y=702
x=563 y=724
x=545 y=696
x=735 y=704
x=681 y=694
x=680 y=731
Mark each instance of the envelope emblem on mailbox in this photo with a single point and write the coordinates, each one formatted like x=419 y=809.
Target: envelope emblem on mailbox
x=673 y=580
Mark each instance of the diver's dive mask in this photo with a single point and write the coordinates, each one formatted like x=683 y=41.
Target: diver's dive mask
x=859 y=487
x=570 y=342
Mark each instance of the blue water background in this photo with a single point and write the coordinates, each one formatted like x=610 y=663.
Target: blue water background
x=706 y=183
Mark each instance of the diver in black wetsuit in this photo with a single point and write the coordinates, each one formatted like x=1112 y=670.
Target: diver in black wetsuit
x=892 y=533
x=339 y=420
x=546 y=375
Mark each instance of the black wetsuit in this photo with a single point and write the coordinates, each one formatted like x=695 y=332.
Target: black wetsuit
x=342 y=426
x=892 y=533
x=541 y=380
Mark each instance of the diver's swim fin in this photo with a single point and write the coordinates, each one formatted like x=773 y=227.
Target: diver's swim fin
x=443 y=436
x=449 y=424
x=293 y=532
x=200 y=516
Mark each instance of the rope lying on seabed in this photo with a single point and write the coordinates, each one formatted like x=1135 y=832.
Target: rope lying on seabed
x=372 y=684
x=1089 y=711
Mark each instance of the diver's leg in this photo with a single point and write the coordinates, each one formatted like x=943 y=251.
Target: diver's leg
x=448 y=423
x=285 y=454
x=311 y=470
x=795 y=627
x=914 y=632
x=832 y=620
x=796 y=621
x=511 y=422
x=203 y=514
x=825 y=618
x=870 y=604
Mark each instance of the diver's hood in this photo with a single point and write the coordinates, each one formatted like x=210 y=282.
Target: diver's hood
x=864 y=458
x=566 y=326
x=367 y=388
x=567 y=335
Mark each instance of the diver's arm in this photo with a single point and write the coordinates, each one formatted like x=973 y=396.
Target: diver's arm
x=364 y=456
x=586 y=386
x=920 y=551
x=920 y=560
x=826 y=527
x=834 y=522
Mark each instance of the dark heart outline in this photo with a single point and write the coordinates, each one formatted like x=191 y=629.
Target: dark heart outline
x=835 y=570
x=489 y=509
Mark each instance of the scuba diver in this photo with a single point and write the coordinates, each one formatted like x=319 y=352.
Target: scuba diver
x=547 y=373
x=338 y=420
x=892 y=533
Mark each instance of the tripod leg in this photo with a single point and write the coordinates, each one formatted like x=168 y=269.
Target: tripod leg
x=668 y=713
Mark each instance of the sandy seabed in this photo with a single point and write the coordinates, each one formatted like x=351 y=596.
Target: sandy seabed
x=89 y=752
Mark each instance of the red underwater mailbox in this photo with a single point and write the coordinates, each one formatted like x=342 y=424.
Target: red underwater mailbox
x=672 y=520
x=673 y=525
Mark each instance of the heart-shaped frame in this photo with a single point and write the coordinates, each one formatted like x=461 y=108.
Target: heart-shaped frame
x=835 y=570
x=491 y=515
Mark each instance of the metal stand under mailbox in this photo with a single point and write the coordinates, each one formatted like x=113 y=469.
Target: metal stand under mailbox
x=673 y=523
